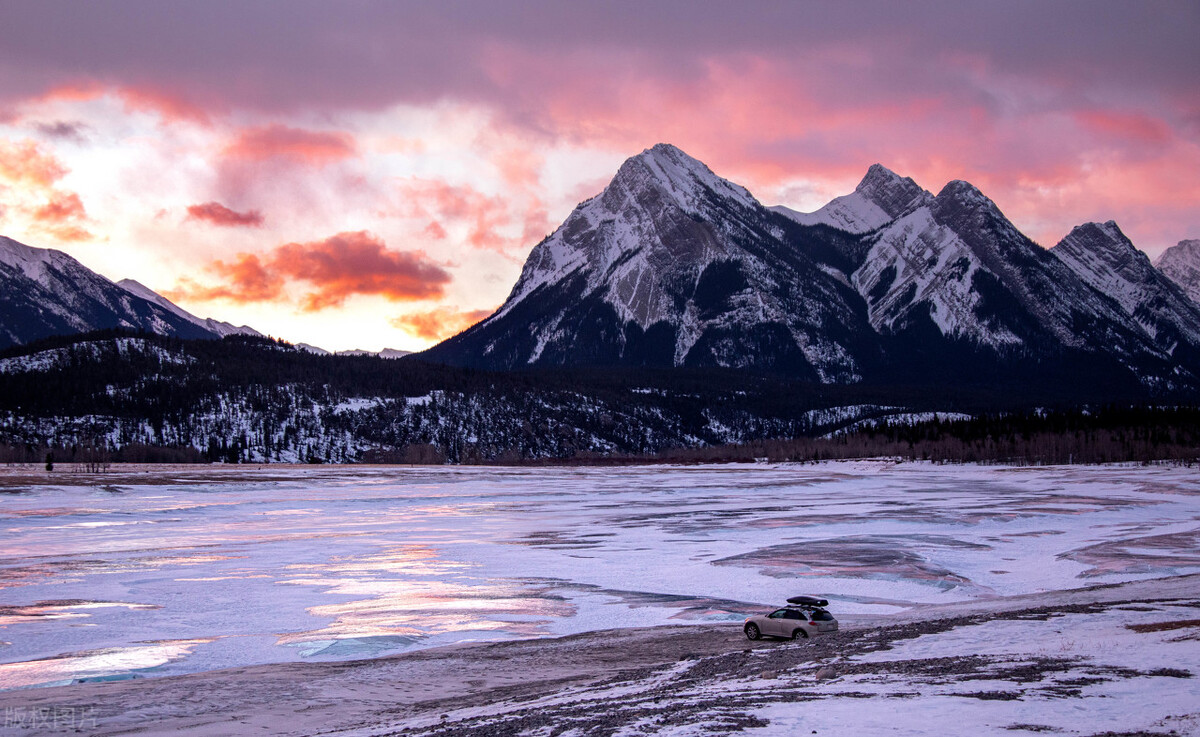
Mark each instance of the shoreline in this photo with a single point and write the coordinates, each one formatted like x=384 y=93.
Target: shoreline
x=463 y=688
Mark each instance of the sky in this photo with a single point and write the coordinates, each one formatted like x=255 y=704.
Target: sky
x=368 y=174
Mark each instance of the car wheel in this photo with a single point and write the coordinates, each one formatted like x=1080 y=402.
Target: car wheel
x=799 y=634
x=752 y=632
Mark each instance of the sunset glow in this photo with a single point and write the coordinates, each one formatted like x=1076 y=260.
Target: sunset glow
x=373 y=175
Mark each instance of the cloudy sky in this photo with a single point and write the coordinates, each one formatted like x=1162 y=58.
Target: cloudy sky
x=370 y=174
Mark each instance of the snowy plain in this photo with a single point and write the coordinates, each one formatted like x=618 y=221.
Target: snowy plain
x=204 y=569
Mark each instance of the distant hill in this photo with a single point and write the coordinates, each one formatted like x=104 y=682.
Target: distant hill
x=44 y=292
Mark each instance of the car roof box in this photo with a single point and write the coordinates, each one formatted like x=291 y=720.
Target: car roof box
x=808 y=601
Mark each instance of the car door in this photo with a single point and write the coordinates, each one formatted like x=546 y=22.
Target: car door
x=776 y=623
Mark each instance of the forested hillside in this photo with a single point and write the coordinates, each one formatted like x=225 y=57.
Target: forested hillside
x=123 y=396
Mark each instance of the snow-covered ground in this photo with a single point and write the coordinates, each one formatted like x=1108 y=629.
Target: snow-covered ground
x=197 y=569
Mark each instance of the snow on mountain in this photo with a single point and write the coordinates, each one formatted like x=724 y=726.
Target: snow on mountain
x=616 y=218
x=880 y=197
x=44 y=292
x=919 y=267
x=1026 y=289
x=670 y=265
x=215 y=326
x=1181 y=264
x=956 y=262
x=1101 y=255
x=673 y=266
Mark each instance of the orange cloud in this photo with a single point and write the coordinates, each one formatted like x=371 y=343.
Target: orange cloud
x=295 y=144
x=25 y=163
x=247 y=279
x=439 y=324
x=218 y=214
x=335 y=269
x=33 y=174
x=359 y=263
x=62 y=206
x=60 y=217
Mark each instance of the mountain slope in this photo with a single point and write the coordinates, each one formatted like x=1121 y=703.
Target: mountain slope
x=216 y=327
x=673 y=266
x=44 y=292
x=1101 y=255
x=1181 y=264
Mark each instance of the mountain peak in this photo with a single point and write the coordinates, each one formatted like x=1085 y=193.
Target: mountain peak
x=1101 y=255
x=1102 y=242
x=1185 y=250
x=31 y=261
x=962 y=202
x=891 y=192
x=683 y=178
x=1181 y=264
x=1099 y=234
x=964 y=192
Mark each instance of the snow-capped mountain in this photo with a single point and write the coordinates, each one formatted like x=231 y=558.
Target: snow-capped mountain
x=1181 y=264
x=673 y=266
x=880 y=198
x=44 y=292
x=1101 y=255
x=216 y=327
x=954 y=260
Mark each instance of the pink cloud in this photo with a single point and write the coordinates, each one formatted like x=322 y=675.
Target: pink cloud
x=484 y=215
x=278 y=141
x=218 y=214
x=160 y=101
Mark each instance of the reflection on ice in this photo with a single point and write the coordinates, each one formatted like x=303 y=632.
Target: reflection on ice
x=229 y=567
x=95 y=664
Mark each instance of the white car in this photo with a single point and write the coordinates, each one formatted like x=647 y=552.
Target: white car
x=803 y=617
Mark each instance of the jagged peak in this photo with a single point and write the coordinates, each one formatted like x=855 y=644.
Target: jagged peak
x=678 y=174
x=891 y=192
x=1184 y=252
x=878 y=175
x=1107 y=231
x=963 y=197
x=1103 y=241
x=964 y=192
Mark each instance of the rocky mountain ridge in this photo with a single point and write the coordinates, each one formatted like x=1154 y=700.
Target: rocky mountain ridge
x=672 y=265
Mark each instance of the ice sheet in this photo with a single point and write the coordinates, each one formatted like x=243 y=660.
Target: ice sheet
x=211 y=570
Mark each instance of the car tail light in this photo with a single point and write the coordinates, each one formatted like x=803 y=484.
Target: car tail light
x=812 y=624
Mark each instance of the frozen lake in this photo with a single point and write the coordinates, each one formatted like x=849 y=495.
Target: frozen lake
x=195 y=569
